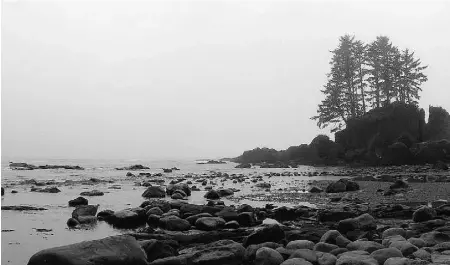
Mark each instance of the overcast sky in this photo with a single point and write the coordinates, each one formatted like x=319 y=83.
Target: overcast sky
x=189 y=79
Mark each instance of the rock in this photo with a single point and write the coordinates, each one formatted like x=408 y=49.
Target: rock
x=157 y=249
x=124 y=250
x=297 y=261
x=209 y=223
x=174 y=223
x=161 y=204
x=232 y=225
x=334 y=215
x=369 y=246
x=127 y=219
x=245 y=165
x=129 y=174
x=78 y=201
x=398 y=261
x=250 y=252
x=388 y=240
x=342 y=185
x=326 y=258
x=270 y=233
x=325 y=247
x=338 y=251
x=133 y=167
x=3 y=191
x=246 y=219
x=154 y=192
x=212 y=195
x=330 y=237
x=440 y=165
x=424 y=213
x=22 y=208
x=225 y=192
x=422 y=254
x=84 y=210
x=355 y=258
x=177 y=196
x=437 y=258
x=221 y=252
x=245 y=208
x=193 y=218
x=228 y=214
x=300 y=244
x=92 y=193
x=393 y=232
x=404 y=246
x=434 y=238
x=47 y=190
x=306 y=254
x=268 y=256
x=154 y=210
x=105 y=215
x=72 y=222
x=417 y=242
x=315 y=189
x=382 y=255
x=399 y=184
x=179 y=186
x=349 y=224
x=87 y=219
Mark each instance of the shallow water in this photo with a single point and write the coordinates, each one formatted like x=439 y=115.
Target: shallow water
x=21 y=243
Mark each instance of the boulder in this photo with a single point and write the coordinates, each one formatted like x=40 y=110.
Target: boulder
x=250 y=252
x=154 y=210
x=393 y=232
x=398 y=261
x=434 y=238
x=209 y=223
x=297 y=261
x=225 y=192
x=179 y=186
x=369 y=246
x=355 y=258
x=325 y=247
x=124 y=250
x=154 y=192
x=300 y=244
x=306 y=254
x=270 y=233
x=246 y=219
x=315 y=189
x=382 y=255
x=157 y=249
x=3 y=191
x=222 y=252
x=78 y=201
x=404 y=246
x=228 y=214
x=174 y=223
x=212 y=195
x=92 y=193
x=424 y=213
x=268 y=256
x=342 y=185
x=127 y=219
x=326 y=258
x=84 y=210
x=232 y=225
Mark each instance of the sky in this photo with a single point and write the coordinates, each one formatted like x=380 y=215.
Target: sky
x=189 y=79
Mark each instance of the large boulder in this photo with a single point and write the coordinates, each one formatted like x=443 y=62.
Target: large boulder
x=212 y=195
x=154 y=192
x=127 y=219
x=124 y=250
x=270 y=233
x=382 y=255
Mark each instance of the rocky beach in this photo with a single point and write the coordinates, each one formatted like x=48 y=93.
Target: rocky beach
x=217 y=213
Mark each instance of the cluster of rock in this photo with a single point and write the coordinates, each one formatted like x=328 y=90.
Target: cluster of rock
x=25 y=166
x=218 y=234
x=133 y=167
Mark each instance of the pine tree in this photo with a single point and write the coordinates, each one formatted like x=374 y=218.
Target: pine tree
x=360 y=53
x=411 y=77
x=341 y=95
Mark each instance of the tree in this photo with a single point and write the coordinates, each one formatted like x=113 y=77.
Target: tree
x=411 y=77
x=360 y=53
x=341 y=96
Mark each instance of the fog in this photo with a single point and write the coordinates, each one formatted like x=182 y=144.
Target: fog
x=189 y=79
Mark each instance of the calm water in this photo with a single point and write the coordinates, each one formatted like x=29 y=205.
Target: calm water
x=25 y=240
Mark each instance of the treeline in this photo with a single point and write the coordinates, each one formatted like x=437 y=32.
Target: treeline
x=366 y=76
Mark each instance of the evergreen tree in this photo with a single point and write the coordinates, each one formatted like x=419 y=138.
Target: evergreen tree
x=360 y=53
x=411 y=77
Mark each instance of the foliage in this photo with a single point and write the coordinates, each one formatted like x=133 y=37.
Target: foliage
x=367 y=75
x=438 y=126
